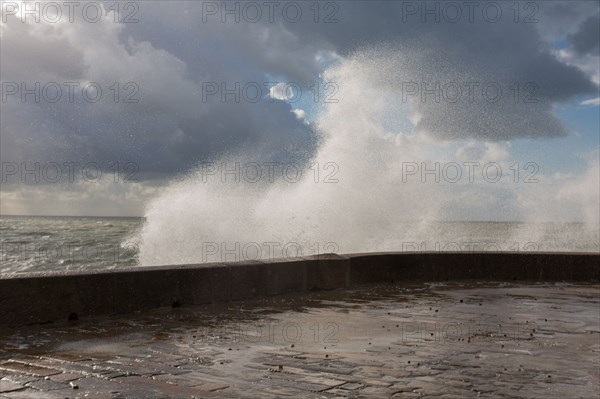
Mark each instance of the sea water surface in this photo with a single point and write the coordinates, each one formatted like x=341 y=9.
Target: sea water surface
x=54 y=244
x=50 y=243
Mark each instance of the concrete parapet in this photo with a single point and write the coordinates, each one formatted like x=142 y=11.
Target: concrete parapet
x=40 y=298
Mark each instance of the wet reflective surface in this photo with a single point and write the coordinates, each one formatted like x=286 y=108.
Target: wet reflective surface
x=430 y=340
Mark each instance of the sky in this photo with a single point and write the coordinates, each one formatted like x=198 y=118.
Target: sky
x=106 y=104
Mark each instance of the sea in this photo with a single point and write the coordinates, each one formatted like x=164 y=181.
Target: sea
x=50 y=244
x=53 y=244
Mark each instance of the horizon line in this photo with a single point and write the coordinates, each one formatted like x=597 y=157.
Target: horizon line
x=406 y=221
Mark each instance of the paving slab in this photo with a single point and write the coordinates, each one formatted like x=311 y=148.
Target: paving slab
x=438 y=340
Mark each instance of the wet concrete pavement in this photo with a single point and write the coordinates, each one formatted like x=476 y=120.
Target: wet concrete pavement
x=403 y=341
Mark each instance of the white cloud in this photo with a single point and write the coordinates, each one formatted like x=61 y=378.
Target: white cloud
x=592 y=102
x=104 y=197
x=484 y=152
x=300 y=114
x=473 y=151
x=497 y=151
x=281 y=91
x=588 y=63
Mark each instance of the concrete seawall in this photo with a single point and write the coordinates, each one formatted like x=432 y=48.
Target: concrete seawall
x=43 y=298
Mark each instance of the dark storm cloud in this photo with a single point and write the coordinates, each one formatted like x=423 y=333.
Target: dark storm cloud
x=171 y=53
x=587 y=38
x=559 y=18
x=172 y=126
